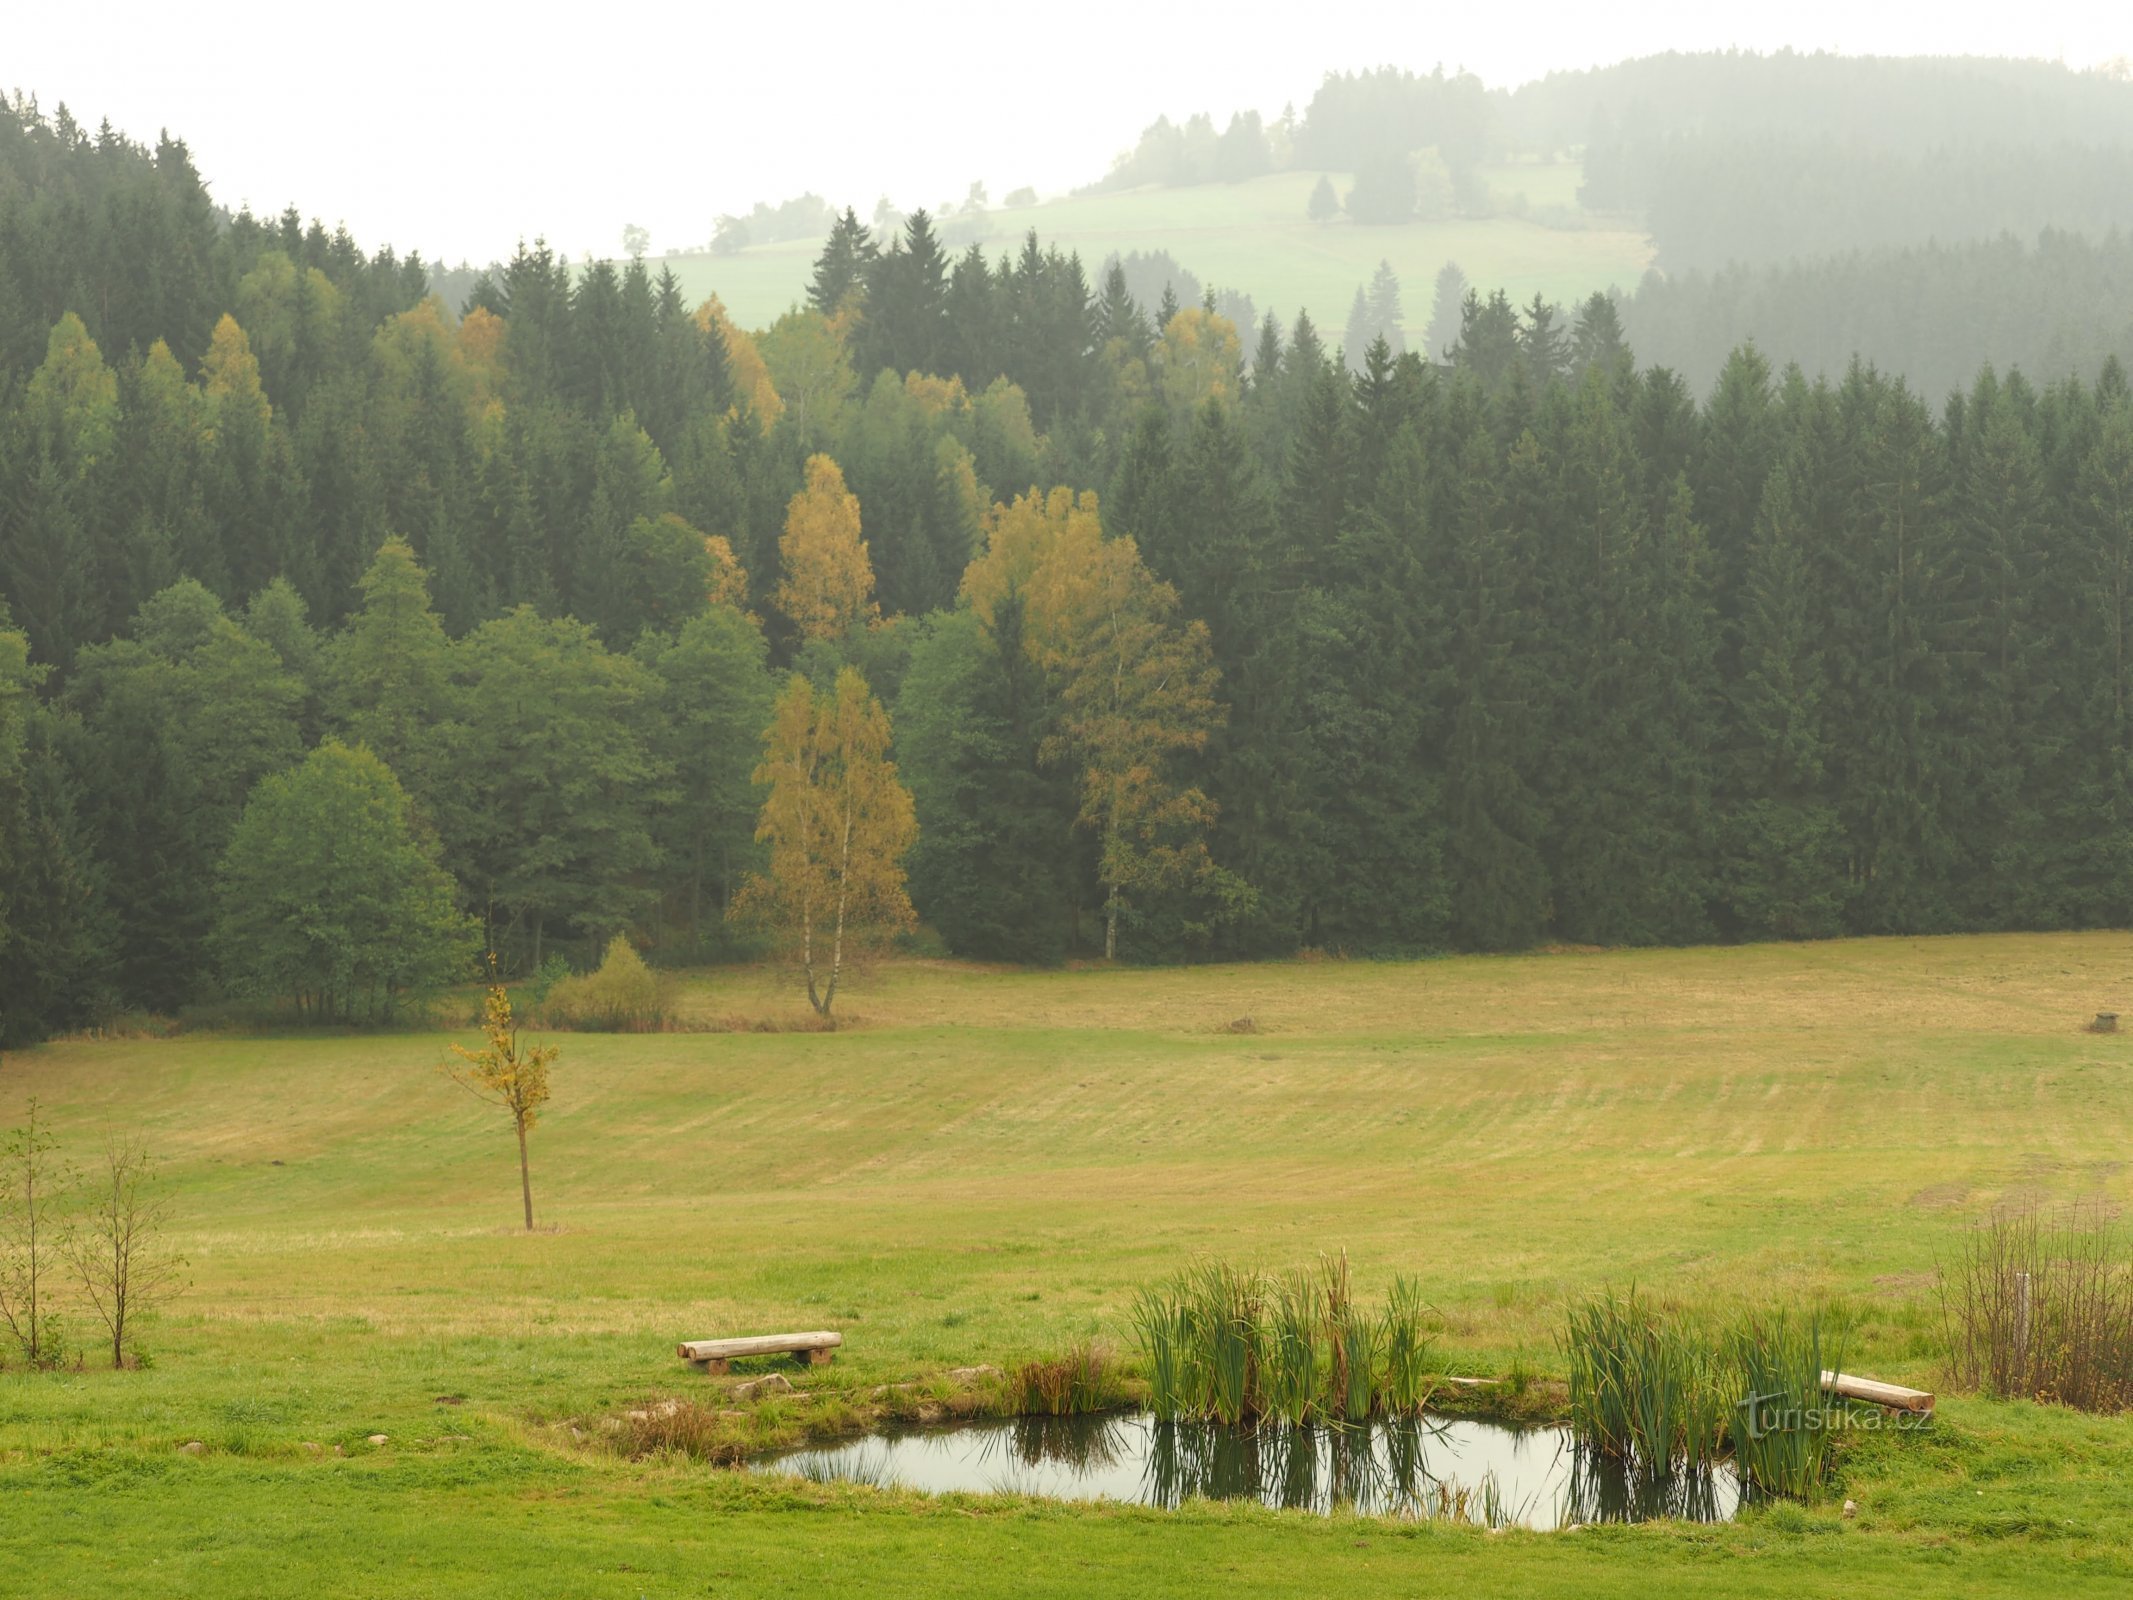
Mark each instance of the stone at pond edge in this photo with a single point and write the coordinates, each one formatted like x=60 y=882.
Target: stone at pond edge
x=774 y=1384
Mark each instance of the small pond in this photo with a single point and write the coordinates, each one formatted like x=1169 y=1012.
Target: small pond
x=1433 y=1467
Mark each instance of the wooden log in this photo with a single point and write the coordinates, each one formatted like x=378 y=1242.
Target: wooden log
x=770 y=1344
x=1894 y=1396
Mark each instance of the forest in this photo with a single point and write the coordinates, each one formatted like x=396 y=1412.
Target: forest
x=1193 y=642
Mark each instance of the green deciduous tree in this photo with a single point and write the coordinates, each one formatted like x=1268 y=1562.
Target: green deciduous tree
x=328 y=897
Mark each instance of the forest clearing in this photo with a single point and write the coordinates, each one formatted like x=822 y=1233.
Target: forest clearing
x=1006 y=1156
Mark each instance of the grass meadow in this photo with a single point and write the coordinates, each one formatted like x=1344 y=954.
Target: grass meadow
x=984 y=1166
x=1256 y=238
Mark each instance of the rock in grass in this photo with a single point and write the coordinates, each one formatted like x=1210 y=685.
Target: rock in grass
x=377 y=1438
x=192 y=1447
x=774 y=1384
x=1851 y=1508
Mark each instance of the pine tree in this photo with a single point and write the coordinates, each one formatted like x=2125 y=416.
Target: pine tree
x=841 y=269
x=1784 y=876
x=1386 y=317
x=1445 y=312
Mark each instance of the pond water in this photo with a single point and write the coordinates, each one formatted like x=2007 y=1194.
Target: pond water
x=1432 y=1467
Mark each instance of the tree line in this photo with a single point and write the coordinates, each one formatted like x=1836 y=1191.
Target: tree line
x=1178 y=654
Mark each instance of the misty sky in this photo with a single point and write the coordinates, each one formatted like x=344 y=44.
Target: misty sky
x=457 y=130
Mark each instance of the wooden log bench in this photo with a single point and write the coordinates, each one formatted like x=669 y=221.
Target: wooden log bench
x=1894 y=1396
x=713 y=1355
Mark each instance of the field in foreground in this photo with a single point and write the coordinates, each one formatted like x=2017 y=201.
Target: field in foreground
x=1254 y=237
x=983 y=1168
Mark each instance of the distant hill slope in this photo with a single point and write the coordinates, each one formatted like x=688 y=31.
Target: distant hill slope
x=1254 y=237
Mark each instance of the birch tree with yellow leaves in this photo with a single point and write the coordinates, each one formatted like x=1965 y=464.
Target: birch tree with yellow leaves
x=827 y=589
x=1134 y=693
x=838 y=824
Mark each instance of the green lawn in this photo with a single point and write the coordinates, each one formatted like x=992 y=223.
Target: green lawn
x=1255 y=237
x=982 y=1167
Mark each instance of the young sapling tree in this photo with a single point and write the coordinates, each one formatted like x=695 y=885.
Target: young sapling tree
x=506 y=1073
x=116 y=1245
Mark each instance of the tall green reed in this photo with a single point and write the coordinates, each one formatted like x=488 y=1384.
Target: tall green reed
x=1237 y=1345
x=1785 y=1428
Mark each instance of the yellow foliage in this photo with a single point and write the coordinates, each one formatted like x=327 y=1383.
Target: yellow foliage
x=838 y=823
x=828 y=585
x=936 y=396
x=622 y=996
x=422 y=335
x=481 y=335
x=231 y=376
x=1135 y=688
x=1199 y=359
x=506 y=1074
x=751 y=374
x=1021 y=538
x=729 y=579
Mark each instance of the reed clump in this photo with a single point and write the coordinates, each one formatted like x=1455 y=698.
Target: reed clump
x=1236 y=1345
x=1670 y=1394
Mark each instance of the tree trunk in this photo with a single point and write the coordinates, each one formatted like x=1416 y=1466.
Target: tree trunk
x=525 y=1174
x=807 y=960
x=1111 y=924
x=836 y=958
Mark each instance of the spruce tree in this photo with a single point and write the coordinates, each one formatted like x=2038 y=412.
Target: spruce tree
x=840 y=271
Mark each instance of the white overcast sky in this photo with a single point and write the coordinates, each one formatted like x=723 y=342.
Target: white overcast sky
x=456 y=130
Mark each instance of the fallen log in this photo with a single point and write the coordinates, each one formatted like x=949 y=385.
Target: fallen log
x=1897 y=1398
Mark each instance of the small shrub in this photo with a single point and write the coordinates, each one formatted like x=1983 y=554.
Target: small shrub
x=542 y=984
x=2039 y=1306
x=1080 y=1381
x=680 y=1427
x=623 y=996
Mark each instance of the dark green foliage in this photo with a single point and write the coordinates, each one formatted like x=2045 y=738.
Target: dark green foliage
x=328 y=897
x=1517 y=641
x=712 y=702
x=995 y=864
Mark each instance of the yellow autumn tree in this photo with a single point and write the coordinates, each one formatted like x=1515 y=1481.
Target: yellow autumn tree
x=751 y=374
x=827 y=588
x=1200 y=359
x=230 y=377
x=729 y=579
x=1133 y=688
x=838 y=824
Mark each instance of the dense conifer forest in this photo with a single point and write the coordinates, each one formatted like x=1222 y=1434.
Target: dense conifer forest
x=1191 y=637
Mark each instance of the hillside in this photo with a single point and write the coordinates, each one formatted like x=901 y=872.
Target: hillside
x=1254 y=237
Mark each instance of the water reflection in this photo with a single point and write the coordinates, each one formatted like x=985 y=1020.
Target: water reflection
x=1438 y=1467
